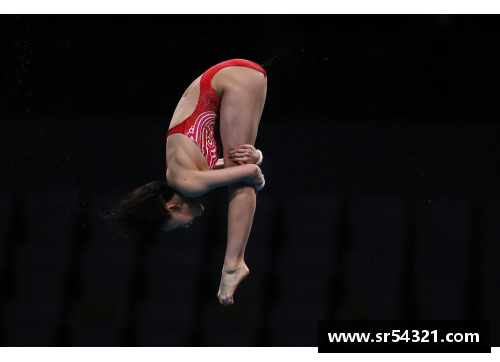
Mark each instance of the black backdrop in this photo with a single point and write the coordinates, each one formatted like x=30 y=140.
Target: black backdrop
x=381 y=150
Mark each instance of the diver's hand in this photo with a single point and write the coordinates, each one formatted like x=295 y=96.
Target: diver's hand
x=244 y=154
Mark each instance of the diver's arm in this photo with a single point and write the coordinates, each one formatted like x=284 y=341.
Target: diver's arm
x=197 y=183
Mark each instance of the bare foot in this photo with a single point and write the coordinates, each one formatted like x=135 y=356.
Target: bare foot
x=229 y=282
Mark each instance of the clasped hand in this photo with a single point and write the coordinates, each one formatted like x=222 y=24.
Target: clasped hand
x=244 y=154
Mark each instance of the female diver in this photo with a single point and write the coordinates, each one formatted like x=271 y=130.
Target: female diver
x=225 y=102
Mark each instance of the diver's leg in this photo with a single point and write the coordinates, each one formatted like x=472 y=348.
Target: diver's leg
x=241 y=109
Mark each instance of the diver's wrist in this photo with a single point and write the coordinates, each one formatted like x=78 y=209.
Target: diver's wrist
x=260 y=158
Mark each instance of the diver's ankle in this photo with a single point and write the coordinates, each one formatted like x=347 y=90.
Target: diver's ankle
x=233 y=266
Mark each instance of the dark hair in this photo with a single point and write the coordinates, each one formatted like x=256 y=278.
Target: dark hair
x=143 y=211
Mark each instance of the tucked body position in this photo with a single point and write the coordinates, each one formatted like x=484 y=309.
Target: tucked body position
x=223 y=105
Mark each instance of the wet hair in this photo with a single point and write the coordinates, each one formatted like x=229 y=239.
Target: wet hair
x=143 y=211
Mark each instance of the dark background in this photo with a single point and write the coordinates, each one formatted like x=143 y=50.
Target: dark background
x=380 y=136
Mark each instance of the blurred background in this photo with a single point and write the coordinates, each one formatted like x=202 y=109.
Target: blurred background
x=382 y=200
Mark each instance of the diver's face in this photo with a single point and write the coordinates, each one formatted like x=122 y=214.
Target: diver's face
x=183 y=210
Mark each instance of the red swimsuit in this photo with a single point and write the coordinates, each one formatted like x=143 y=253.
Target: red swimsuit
x=203 y=124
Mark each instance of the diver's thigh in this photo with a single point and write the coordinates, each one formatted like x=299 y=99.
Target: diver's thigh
x=241 y=109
